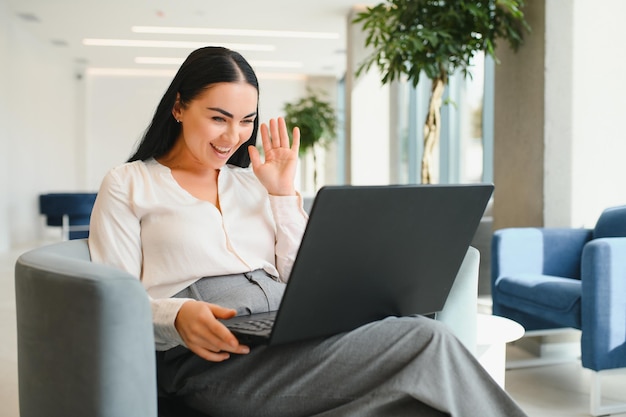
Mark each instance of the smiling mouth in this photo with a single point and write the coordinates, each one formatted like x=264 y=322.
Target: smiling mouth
x=220 y=149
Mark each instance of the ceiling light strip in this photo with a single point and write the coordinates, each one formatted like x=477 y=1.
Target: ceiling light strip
x=276 y=64
x=136 y=43
x=177 y=61
x=234 y=32
x=156 y=60
x=131 y=72
x=134 y=72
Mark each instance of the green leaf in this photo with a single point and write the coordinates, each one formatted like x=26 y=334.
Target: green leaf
x=315 y=117
x=436 y=36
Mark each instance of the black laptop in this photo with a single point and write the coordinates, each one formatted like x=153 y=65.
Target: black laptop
x=369 y=252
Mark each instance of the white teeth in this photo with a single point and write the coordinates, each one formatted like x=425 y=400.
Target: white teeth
x=220 y=149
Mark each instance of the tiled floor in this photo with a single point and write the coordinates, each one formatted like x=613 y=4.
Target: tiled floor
x=549 y=391
x=559 y=390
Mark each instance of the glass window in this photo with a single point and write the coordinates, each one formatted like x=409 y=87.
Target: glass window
x=459 y=156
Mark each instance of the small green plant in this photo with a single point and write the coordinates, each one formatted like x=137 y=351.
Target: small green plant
x=317 y=121
x=436 y=38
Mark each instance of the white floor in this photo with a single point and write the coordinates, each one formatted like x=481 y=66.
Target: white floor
x=549 y=391
x=559 y=390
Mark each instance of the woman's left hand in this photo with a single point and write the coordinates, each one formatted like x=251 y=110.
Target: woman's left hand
x=278 y=171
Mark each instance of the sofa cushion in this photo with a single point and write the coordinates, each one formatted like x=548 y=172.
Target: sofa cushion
x=551 y=298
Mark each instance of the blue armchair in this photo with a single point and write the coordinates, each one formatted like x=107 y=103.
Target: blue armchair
x=554 y=278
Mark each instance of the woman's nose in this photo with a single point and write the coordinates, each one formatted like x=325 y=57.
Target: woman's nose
x=232 y=133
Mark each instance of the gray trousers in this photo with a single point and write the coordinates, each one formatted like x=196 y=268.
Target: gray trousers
x=408 y=366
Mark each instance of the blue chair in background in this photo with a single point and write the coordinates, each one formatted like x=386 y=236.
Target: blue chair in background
x=70 y=211
x=556 y=278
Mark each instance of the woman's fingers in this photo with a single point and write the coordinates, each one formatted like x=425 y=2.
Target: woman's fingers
x=276 y=135
x=197 y=323
x=283 y=133
x=295 y=139
x=210 y=355
x=265 y=137
x=215 y=348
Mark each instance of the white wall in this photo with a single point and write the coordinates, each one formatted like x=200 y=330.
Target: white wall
x=559 y=109
x=585 y=105
x=4 y=121
x=274 y=93
x=37 y=102
x=367 y=115
x=599 y=138
x=119 y=109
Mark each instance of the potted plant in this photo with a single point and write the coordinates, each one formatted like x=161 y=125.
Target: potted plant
x=436 y=37
x=317 y=121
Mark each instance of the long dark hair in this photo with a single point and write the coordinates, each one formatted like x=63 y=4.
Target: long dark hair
x=203 y=67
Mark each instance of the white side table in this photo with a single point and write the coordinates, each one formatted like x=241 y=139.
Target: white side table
x=494 y=333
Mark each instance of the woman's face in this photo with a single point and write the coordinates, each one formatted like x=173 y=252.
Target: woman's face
x=216 y=123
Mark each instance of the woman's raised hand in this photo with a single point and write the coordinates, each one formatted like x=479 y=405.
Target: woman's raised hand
x=278 y=171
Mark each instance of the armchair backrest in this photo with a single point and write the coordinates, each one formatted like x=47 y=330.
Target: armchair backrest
x=612 y=223
x=538 y=250
x=84 y=336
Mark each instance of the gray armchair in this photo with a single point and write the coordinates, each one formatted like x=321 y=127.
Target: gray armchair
x=85 y=340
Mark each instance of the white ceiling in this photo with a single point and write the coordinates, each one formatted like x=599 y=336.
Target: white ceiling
x=66 y=23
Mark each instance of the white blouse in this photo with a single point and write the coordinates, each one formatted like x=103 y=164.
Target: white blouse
x=145 y=223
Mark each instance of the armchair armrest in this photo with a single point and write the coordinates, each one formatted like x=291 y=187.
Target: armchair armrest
x=603 y=340
x=460 y=310
x=541 y=251
x=85 y=338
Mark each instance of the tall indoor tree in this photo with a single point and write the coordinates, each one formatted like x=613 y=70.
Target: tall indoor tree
x=436 y=38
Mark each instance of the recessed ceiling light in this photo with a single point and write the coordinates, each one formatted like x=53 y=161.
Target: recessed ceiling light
x=173 y=44
x=28 y=17
x=59 y=42
x=234 y=32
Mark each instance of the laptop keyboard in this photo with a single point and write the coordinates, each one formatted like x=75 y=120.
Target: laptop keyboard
x=253 y=325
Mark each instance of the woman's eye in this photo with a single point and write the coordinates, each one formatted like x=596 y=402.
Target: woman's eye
x=247 y=121
x=218 y=119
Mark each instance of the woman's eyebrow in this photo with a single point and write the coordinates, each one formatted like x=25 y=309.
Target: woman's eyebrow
x=227 y=114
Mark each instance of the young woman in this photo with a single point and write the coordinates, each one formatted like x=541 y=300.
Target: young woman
x=210 y=238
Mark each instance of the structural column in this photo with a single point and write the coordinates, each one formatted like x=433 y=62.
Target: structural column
x=367 y=116
x=559 y=110
x=518 y=127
